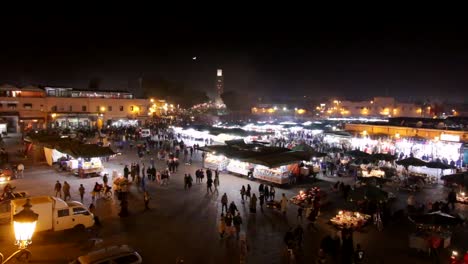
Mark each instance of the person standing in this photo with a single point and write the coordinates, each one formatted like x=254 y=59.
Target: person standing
x=20 y=170
x=284 y=204
x=209 y=183
x=272 y=193
x=58 y=189
x=242 y=193
x=143 y=170
x=262 y=201
x=260 y=189
x=253 y=204
x=186 y=181
x=266 y=191
x=81 y=190
x=126 y=172
x=247 y=192
x=146 y=199
x=105 y=179
x=237 y=224
x=224 y=202
x=66 y=191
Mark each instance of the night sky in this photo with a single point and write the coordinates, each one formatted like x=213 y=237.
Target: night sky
x=281 y=56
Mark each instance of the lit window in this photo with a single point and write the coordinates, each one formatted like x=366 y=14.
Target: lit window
x=121 y=108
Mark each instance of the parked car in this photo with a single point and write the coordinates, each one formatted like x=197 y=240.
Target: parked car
x=112 y=254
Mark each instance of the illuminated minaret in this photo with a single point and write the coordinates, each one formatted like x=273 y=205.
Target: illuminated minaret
x=219 y=84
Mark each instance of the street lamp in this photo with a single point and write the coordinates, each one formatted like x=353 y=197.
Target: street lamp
x=24 y=224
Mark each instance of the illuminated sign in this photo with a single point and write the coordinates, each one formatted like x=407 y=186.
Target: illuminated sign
x=448 y=137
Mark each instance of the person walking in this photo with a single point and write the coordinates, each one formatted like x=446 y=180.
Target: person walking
x=300 y=210
x=253 y=204
x=228 y=219
x=186 y=181
x=242 y=193
x=146 y=199
x=209 y=183
x=81 y=190
x=143 y=171
x=247 y=192
x=260 y=189
x=224 y=202
x=105 y=179
x=284 y=204
x=190 y=180
x=216 y=181
x=66 y=191
x=58 y=189
x=237 y=224
x=233 y=208
x=20 y=170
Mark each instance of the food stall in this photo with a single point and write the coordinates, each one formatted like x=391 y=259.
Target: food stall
x=419 y=240
x=350 y=219
x=214 y=162
x=239 y=167
x=85 y=166
x=279 y=175
x=373 y=172
x=306 y=197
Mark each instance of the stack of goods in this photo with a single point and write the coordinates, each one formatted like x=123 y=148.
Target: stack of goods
x=350 y=219
x=307 y=196
x=120 y=184
x=462 y=198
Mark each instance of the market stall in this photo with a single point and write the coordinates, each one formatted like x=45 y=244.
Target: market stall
x=306 y=197
x=214 y=162
x=239 y=167
x=279 y=175
x=462 y=198
x=350 y=219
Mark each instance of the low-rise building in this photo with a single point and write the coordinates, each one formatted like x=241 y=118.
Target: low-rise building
x=382 y=107
x=33 y=107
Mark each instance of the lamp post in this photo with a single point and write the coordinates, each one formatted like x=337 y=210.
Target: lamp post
x=24 y=224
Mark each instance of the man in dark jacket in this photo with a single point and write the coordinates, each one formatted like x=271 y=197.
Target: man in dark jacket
x=452 y=198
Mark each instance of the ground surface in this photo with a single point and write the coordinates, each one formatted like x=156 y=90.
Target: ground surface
x=184 y=223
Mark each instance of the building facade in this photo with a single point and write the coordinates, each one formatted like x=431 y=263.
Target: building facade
x=219 y=85
x=36 y=108
x=381 y=107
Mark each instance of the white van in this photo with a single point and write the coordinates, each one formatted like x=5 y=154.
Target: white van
x=56 y=214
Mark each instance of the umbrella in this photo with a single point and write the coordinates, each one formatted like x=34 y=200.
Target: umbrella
x=438 y=165
x=368 y=192
x=411 y=162
x=358 y=162
x=357 y=154
x=436 y=218
x=382 y=156
x=458 y=178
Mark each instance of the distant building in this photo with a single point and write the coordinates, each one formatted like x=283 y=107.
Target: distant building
x=219 y=85
x=383 y=107
x=277 y=110
x=35 y=108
